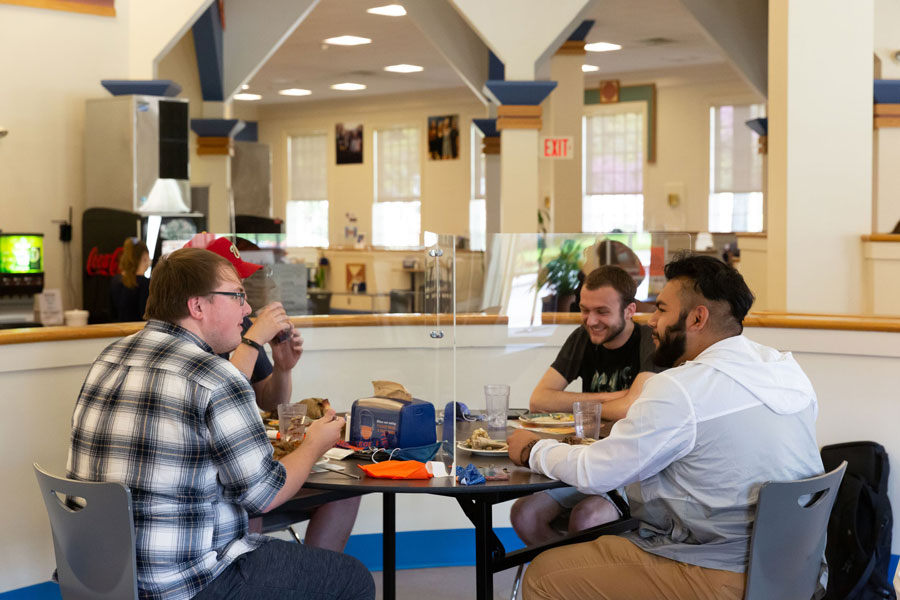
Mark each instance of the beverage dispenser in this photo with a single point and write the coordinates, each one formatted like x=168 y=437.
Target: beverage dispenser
x=21 y=277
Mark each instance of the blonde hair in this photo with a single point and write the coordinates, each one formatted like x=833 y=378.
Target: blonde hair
x=132 y=251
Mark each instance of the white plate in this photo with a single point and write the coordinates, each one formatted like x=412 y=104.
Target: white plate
x=482 y=452
x=544 y=420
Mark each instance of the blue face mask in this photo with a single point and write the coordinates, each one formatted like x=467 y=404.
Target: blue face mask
x=419 y=453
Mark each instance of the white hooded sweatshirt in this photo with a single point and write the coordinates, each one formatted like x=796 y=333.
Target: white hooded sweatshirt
x=695 y=447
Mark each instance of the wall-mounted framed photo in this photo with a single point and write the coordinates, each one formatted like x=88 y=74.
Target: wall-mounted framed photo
x=348 y=140
x=443 y=137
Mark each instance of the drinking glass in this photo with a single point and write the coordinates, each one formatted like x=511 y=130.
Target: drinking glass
x=587 y=419
x=496 y=399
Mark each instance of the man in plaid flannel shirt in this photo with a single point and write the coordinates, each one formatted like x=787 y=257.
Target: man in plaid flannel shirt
x=162 y=414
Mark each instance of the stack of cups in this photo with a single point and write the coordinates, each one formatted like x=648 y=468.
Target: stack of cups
x=496 y=399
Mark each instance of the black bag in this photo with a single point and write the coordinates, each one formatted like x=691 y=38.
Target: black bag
x=859 y=530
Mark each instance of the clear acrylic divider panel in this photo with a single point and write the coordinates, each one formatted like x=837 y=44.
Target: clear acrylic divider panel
x=529 y=283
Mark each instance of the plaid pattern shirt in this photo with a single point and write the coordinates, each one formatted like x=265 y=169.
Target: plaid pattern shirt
x=179 y=426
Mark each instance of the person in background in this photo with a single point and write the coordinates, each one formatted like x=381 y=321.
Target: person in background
x=330 y=524
x=161 y=413
x=129 y=289
x=613 y=357
x=728 y=415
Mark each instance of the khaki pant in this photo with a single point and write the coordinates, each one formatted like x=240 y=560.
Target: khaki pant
x=612 y=568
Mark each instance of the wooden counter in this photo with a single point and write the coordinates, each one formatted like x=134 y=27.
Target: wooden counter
x=115 y=330
x=754 y=319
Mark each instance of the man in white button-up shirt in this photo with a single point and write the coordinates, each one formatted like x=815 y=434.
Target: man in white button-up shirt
x=693 y=450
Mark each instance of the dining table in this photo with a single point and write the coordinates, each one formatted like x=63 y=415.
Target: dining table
x=476 y=502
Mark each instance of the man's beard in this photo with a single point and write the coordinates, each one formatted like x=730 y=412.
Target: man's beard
x=611 y=332
x=672 y=344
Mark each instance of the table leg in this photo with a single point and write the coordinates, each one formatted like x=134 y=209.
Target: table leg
x=484 y=574
x=389 y=545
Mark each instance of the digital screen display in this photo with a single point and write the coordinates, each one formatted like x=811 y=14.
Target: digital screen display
x=21 y=253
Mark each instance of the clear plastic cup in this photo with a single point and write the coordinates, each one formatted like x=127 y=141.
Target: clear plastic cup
x=292 y=421
x=496 y=400
x=587 y=419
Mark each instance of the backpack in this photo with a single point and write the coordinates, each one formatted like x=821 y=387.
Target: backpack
x=859 y=530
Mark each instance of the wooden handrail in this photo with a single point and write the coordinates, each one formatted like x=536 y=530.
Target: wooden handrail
x=114 y=330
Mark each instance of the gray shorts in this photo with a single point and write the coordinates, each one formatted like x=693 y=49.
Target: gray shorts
x=568 y=497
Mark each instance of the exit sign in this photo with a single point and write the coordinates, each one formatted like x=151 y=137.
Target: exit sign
x=557 y=147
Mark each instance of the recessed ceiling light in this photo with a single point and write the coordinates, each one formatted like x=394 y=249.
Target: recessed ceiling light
x=602 y=47
x=247 y=97
x=589 y=68
x=294 y=92
x=347 y=40
x=245 y=87
x=348 y=87
x=404 y=68
x=391 y=10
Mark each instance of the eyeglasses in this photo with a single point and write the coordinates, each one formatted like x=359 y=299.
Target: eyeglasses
x=240 y=295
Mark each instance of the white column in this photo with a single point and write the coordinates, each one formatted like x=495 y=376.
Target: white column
x=820 y=153
x=563 y=111
x=521 y=33
x=492 y=193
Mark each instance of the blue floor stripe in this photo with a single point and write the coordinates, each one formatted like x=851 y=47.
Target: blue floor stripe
x=42 y=591
x=424 y=549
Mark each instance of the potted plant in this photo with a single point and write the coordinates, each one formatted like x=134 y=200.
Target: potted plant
x=560 y=275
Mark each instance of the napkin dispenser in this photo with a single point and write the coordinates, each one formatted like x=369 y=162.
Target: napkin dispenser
x=378 y=422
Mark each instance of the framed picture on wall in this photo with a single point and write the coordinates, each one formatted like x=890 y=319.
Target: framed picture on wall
x=443 y=137
x=348 y=139
x=105 y=8
x=356 y=277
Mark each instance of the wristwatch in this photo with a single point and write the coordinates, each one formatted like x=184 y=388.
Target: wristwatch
x=251 y=343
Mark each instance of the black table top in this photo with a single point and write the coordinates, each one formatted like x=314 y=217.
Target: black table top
x=521 y=479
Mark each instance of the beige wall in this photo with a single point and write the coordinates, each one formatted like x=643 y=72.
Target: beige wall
x=53 y=61
x=682 y=151
x=445 y=184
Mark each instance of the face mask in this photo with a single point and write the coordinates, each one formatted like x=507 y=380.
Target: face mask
x=419 y=453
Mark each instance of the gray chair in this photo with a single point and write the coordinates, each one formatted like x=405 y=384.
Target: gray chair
x=94 y=544
x=788 y=541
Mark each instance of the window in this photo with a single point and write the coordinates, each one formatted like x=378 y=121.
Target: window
x=735 y=169
x=613 y=170
x=307 y=206
x=477 y=209
x=396 y=213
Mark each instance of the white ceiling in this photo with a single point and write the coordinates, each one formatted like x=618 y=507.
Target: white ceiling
x=303 y=61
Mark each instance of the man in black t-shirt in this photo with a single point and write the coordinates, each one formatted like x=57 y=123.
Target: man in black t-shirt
x=613 y=357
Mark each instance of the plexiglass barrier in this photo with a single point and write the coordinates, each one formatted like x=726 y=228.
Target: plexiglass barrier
x=417 y=324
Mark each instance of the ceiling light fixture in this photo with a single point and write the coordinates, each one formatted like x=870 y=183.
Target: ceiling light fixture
x=245 y=87
x=247 y=97
x=347 y=40
x=348 y=87
x=404 y=68
x=589 y=68
x=391 y=10
x=602 y=47
x=294 y=92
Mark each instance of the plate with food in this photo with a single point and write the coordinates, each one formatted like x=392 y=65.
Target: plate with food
x=482 y=452
x=481 y=444
x=557 y=419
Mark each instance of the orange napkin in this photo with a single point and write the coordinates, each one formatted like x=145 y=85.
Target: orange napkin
x=397 y=469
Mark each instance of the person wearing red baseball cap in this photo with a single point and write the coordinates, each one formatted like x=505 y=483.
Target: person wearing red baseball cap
x=272 y=326
x=330 y=525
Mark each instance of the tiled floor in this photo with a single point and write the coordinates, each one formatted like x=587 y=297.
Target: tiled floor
x=445 y=583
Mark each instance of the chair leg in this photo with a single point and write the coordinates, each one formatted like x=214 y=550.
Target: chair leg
x=517 y=583
x=295 y=534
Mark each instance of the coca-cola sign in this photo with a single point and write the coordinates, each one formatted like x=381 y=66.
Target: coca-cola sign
x=105 y=265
